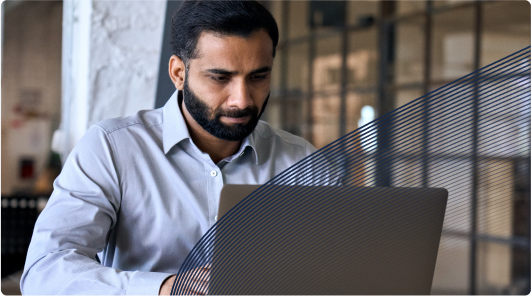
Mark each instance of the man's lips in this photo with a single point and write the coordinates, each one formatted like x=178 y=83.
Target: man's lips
x=235 y=119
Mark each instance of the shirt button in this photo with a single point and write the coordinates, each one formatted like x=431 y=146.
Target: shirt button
x=213 y=173
x=216 y=218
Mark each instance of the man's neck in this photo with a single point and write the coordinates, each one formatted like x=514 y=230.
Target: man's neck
x=216 y=148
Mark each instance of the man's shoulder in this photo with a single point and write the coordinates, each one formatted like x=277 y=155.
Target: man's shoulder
x=143 y=119
x=269 y=133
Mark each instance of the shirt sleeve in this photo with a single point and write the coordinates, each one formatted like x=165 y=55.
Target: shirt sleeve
x=74 y=227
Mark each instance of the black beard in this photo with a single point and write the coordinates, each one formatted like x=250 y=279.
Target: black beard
x=210 y=122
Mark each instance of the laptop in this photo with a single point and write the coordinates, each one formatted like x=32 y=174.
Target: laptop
x=326 y=240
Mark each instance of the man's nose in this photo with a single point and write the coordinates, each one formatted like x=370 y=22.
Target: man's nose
x=240 y=96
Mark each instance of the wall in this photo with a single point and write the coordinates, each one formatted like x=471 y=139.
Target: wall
x=67 y=65
x=114 y=71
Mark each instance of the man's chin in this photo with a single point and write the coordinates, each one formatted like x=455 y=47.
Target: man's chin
x=234 y=128
x=232 y=132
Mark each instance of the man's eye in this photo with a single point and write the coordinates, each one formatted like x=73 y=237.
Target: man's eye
x=259 y=77
x=219 y=78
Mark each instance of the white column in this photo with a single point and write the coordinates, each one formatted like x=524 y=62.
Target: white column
x=75 y=74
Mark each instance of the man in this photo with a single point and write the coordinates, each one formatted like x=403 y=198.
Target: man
x=138 y=192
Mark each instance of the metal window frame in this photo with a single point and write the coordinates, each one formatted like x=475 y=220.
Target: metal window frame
x=385 y=90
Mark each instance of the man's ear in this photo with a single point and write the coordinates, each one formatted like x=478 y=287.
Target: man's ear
x=177 y=71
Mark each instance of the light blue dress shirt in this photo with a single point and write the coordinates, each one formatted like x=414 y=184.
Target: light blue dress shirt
x=138 y=191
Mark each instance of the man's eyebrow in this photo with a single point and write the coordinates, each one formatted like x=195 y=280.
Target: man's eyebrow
x=221 y=71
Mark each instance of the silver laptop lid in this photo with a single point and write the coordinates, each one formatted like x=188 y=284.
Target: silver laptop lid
x=327 y=240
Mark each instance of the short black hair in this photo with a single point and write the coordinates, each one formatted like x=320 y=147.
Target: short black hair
x=240 y=18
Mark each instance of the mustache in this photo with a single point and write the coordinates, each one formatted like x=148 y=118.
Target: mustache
x=237 y=113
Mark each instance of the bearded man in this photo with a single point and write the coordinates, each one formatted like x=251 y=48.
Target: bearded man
x=137 y=193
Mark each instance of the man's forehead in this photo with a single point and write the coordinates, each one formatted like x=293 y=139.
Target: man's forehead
x=212 y=36
x=226 y=51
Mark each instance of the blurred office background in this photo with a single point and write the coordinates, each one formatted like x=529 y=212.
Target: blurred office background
x=339 y=65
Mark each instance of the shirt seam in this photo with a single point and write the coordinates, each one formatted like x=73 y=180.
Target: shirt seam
x=283 y=140
x=114 y=164
x=128 y=125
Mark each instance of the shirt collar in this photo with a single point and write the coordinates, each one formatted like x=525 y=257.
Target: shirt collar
x=174 y=129
x=247 y=142
x=250 y=142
